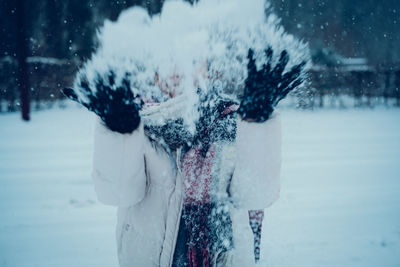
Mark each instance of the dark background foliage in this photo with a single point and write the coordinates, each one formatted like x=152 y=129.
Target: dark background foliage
x=367 y=30
x=66 y=29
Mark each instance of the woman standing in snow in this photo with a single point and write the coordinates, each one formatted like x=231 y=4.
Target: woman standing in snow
x=188 y=196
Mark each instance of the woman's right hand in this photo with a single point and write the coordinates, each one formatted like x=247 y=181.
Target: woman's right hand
x=114 y=103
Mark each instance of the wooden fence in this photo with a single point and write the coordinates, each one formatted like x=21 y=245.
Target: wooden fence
x=46 y=78
x=364 y=86
x=339 y=87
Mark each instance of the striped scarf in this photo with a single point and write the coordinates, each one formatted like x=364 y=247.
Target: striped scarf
x=205 y=237
x=205 y=232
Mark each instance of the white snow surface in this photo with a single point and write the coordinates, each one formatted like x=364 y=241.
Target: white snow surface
x=339 y=205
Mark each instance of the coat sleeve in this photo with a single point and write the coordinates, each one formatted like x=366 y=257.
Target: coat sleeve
x=255 y=182
x=118 y=166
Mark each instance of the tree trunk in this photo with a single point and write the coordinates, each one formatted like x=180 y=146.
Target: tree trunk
x=22 y=51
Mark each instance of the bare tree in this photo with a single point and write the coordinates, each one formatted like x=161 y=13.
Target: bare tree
x=22 y=51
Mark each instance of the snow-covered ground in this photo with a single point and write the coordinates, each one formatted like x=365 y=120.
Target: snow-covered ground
x=339 y=206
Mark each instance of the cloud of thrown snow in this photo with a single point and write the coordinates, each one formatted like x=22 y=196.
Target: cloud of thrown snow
x=188 y=47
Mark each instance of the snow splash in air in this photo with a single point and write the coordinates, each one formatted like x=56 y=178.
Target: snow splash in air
x=189 y=48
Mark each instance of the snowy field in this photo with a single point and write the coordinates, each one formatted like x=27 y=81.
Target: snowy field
x=339 y=206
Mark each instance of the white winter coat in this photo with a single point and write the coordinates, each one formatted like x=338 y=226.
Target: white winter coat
x=140 y=180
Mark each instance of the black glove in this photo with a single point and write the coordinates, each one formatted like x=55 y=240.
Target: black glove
x=114 y=104
x=266 y=87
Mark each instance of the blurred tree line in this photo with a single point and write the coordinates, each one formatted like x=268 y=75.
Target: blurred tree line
x=66 y=29
x=358 y=28
x=60 y=29
x=42 y=42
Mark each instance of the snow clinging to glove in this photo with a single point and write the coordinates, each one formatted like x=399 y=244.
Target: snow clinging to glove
x=230 y=47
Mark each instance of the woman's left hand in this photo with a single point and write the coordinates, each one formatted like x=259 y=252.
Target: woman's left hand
x=264 y=88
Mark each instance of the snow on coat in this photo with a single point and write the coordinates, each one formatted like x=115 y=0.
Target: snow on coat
x=130 y=173
x=175 y=61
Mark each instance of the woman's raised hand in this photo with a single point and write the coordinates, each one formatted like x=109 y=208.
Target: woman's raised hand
x=264 y=88
x=114 y=103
